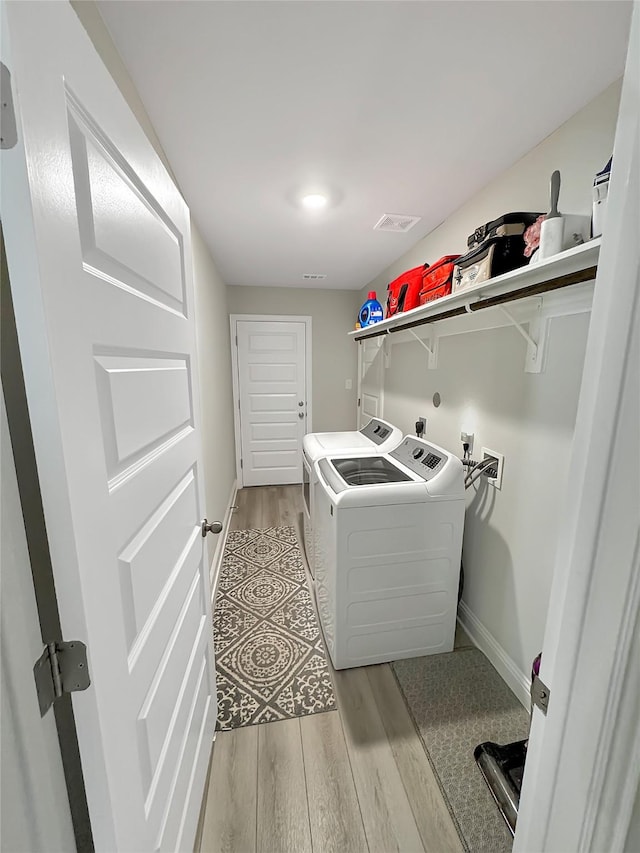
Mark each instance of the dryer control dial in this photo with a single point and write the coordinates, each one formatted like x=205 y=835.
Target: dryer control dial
x=417 y=453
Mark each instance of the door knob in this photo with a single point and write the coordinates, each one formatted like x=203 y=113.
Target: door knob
x=210 y=527
x=300 y=414
x=301 y=403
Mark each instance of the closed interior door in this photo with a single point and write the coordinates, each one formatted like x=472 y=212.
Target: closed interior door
x=99 y=251
x=272 y=396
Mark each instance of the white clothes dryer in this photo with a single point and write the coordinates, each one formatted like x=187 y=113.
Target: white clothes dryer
x=377 y=436
x=389 y=542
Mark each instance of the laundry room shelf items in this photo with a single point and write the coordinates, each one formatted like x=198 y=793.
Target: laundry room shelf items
x=567 y=268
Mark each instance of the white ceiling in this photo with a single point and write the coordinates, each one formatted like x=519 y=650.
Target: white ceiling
x=391 y=107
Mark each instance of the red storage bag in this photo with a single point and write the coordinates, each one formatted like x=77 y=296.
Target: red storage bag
x=403 y=293
x=436 y=279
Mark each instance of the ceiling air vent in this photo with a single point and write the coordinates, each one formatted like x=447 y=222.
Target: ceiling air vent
x=313 y=276
x=396 y=222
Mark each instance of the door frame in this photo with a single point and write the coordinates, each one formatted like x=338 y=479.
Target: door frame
x=234 y=319
x=37 y=543
x=583 y=762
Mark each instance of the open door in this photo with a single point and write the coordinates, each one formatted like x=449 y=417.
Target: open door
x=371 y=366
x=99 y=254
x=583 y=764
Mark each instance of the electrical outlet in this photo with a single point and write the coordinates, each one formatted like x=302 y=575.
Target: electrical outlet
x=423 y=421
x=496 y=481
x=467 y=438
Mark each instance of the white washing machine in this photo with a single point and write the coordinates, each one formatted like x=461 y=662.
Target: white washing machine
x=389 y=535
x=377 y=436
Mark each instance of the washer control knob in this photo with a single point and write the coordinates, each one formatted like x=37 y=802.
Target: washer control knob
x=417 y=453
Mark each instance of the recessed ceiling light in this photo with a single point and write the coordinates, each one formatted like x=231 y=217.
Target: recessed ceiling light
x=314 y=201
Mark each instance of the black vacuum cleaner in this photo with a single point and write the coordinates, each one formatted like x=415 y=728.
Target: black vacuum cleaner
x=503 y=768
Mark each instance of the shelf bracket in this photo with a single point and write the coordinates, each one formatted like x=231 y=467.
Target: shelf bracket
x=386 y=350
x=519 y=327
x=536 y=337
x=421 y=342
x=431 y=348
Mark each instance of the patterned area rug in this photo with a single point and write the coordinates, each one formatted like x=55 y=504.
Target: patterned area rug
x=458 y=701
x=270 y=658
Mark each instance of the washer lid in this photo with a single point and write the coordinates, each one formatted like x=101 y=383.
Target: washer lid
x=329 y=442
x=369 y=471
x=376 y=435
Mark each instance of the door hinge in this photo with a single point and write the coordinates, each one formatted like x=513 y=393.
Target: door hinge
x=61 y=668
x=236 y=340
x=9 y=133
x=540 y=694
x=241 y=465
x=358 y=401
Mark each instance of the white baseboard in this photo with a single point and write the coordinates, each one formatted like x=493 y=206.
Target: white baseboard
x=489 y=646
x=216 y=563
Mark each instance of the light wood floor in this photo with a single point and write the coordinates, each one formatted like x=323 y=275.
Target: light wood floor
x=346 y=781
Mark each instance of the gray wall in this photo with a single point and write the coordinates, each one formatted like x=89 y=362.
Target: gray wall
x=510 y=535
x=579 y=149
x=212 y=327
x=214 y=365
x=334 y=355
x=633 y=836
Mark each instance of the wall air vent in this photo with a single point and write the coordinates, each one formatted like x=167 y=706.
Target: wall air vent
x=396 y=222
x=313 y=276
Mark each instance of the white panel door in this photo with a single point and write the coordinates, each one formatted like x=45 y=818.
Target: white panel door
x=99 y=252
x=370 y=380
x=272 y=394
